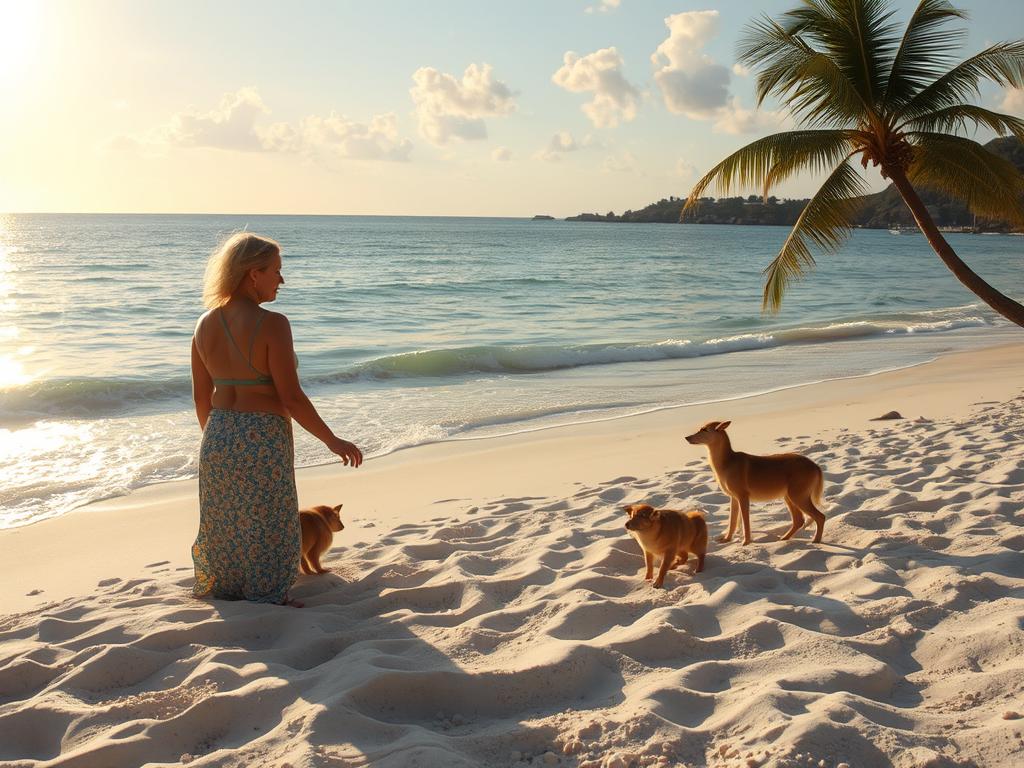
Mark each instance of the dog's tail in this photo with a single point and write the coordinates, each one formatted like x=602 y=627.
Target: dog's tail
x=700 y=538
x=817 y=496
x=818 y=492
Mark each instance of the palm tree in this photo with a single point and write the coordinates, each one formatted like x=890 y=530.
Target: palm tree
x=859 y=89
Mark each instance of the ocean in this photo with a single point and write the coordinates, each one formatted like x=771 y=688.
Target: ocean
x=417 y=330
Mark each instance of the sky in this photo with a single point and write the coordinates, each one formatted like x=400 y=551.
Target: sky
x=390 y=107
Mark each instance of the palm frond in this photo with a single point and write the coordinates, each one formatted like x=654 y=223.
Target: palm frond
x=961 y=117
x=857 y=35
x=815 y=89
x=825 y=222
x=965 y=170
x=1002 y=63
x=806 y=151
x=925 y=51
x=768 y=161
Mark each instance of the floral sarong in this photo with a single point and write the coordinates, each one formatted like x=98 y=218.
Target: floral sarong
x=249 y=534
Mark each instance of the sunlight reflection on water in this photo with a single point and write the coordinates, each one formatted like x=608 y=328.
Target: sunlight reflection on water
x=12 y=358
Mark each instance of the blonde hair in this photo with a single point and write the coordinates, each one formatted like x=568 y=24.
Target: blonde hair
x=230 y=263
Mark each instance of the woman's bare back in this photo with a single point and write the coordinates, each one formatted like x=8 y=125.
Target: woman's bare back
x=237 y=358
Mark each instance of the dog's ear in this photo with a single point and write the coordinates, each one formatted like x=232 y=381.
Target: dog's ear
x=655 y=514
x=722 y=425
x=338 y=508
x=628 y=509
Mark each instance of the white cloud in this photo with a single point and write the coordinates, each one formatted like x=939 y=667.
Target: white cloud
x=1013 y=102
x=696 y=86
x=615 y=98
x=501 y=155
x=603 y=6
x=123 y=143
x=624 y=163
x=235 y=125
x=560 y=143
x=691 y=83
x=449 y=108
x=340 y=136
x=231 y=126
x=685 y=169
x=734 y=119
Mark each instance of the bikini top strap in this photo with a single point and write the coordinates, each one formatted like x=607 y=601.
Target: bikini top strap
x=227 y=331
x=252 y=341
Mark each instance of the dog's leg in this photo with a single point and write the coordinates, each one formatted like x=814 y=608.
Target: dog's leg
x=734 y=510
x=745 y=511
x=649 y=561
x=819 y=519
x=700 y=562
x=314 y=560
x=667 y=559
x=681 y=559
x=798 y=519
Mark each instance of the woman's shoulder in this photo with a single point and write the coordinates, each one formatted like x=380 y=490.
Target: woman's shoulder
x=270 y=316
x=204 y=318
x=275 y=322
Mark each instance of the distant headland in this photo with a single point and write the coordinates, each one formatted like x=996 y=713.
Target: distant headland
x=882 y=210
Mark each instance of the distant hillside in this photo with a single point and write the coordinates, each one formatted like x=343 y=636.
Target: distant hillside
x=886 y=208
x=878 y=211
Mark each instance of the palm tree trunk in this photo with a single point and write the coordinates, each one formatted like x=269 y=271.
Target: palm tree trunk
x=1004 y=305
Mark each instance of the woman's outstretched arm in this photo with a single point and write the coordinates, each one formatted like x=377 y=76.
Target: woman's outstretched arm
x=281 y=359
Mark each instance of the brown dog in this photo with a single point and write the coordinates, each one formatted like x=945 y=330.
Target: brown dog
x=745 y=477
x=319 y=524
x=672 y=535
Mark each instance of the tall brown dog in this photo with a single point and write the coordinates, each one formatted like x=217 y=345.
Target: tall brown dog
x=319 y=524
x=745 y=477
x=670 y=534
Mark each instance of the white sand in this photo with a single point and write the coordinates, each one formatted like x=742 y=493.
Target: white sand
x=487 y=606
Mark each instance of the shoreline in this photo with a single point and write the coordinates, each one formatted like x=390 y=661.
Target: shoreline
x=486 y=606
x=645 y=410
x=157 y=523
x=527 y=424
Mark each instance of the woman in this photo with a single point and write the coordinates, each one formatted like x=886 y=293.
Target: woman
x=246 y=391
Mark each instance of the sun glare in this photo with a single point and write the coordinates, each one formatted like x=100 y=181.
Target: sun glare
x=15 y=443
x=12 y=369
x=6 y=269
x=19 y=38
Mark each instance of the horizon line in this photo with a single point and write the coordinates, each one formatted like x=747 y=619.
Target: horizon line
x=250 y=213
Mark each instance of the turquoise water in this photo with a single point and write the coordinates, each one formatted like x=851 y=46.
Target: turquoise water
x=414 y=330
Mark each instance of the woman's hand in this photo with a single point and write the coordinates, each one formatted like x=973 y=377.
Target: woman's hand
x=351 y=456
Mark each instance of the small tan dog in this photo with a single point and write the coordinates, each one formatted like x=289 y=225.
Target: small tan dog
x=319 y=524
x=747 y=478
x=672 y=535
